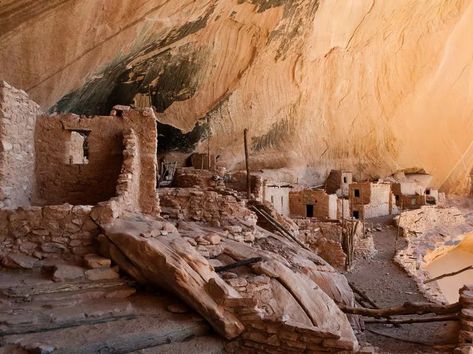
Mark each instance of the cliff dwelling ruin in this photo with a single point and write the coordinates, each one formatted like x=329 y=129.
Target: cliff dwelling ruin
x=238 y=176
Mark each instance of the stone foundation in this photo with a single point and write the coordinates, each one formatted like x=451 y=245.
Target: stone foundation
x=33 y=233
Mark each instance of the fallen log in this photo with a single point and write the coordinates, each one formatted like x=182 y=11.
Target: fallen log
x=415 y=320
x=241 y=263
x=448 y=274
x=409 y=308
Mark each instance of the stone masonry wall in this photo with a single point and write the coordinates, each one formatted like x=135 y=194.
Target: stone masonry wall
x=202 y=205
x=58 y=180
x=325 y=205
x=17 y=156
x=33 y=233
x=465 y=337
x=143 y=124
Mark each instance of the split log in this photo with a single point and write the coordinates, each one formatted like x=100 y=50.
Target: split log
x=409 y=308
x=448 y=274
x=415 y=320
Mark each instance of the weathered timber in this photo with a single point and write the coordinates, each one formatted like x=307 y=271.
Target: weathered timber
x=415 y=320
x=241 y=263
x=446 y=275
x=408 y=308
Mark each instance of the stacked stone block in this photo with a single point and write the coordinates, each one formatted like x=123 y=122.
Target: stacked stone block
x=465 y=337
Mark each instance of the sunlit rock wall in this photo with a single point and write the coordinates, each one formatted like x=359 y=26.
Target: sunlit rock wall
x=373 y=86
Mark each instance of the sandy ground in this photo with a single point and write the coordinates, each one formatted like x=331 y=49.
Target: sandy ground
x=387 y=285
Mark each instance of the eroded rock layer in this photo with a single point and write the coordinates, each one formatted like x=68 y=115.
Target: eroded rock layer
x=365 y=85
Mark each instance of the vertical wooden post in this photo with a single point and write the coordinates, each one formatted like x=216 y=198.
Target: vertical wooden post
x=208 y=144
x=248 y=179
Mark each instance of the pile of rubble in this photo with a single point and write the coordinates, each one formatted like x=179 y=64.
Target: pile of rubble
x=327 y=239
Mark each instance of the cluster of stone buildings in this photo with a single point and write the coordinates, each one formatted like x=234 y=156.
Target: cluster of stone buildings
x=342 y=197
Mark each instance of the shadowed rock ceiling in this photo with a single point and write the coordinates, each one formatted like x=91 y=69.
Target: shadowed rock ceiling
x=373 y=86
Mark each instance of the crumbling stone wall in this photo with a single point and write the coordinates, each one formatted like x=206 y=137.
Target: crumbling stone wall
x=338 y=182
x=324 y=205
x=121 y=161
x=58 y=180
x=188 y=177
x=202 y=205
x=237 y=181
x=33 y=233
x=17 y=155
x=143 y=124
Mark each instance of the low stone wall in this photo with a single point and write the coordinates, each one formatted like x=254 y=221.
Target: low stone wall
x=188 y=177
x=33 y=233
x=202 y=205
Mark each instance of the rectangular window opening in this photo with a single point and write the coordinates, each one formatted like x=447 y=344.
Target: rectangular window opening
x=356 y=214
x=356 y=193
x=78 y=146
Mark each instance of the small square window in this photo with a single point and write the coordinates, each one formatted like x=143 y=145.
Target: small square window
x=356 y=214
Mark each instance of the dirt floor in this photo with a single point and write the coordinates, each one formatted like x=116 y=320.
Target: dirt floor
x=387 y=285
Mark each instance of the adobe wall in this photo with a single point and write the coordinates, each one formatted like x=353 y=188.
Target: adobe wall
x=325 y=205
x=33 y=233
x=59 y=181
x=364 y=189
x=17 y=155
x=121 y=163
x=335 y=183
x=381 y=202
x=412 y=201
x=278 y=195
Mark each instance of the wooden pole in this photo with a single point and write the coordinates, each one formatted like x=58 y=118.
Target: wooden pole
x=248 y=179
x=208 y=144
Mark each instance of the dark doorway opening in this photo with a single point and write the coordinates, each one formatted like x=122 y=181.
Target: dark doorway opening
x=356 y=214
x=309 y=208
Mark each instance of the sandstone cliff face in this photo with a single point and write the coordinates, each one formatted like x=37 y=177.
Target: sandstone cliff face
x=374 y=86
